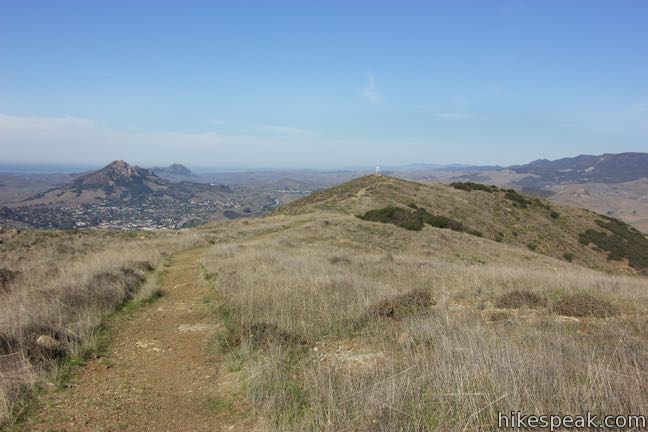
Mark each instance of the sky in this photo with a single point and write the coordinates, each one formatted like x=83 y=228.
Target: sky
x=326 y=84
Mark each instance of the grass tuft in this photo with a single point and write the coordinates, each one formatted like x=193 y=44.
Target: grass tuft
x=520 y=298
x=7 y=278
x=404 y=305
x=584 y=305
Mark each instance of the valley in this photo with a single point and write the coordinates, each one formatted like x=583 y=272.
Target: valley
x=123 y=196
x=175 y=196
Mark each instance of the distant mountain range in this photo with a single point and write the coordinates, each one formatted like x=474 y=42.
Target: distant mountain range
x=606 y=168
x=438 y=167
x=613 y=184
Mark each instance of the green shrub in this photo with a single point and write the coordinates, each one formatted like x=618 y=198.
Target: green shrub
x=470 y=186
x=532 y=246
x=415 y=219
x=540 y=203
x=621 y=242
x=554 y=214
x=440 y=221
x=395 y=215
x=517 y=199
x=568 y=256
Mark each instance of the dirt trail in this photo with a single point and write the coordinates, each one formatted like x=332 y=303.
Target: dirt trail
x=157 y=375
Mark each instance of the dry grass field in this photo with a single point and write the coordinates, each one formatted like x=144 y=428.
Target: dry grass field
x=444 y=307
x=55 y=289
x=337 y=324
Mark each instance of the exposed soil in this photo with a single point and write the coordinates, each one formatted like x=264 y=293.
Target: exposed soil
x=159 y=373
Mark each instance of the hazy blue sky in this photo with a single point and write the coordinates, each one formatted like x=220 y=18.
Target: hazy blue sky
x=321 y=84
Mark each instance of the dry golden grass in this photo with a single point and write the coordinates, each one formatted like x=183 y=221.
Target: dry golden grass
x=494 y=215
x=449 y=366
x=68 y=282
x=337 y=324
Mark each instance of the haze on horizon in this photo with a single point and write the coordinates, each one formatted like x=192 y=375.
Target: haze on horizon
x=300 y=85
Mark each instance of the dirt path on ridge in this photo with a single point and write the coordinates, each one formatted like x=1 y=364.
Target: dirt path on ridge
x=157 y=374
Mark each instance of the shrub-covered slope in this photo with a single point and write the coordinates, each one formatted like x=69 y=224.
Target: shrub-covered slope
x=496 y=214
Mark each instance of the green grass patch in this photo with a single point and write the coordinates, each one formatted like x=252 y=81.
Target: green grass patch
x=218 y=405
x=280 y=387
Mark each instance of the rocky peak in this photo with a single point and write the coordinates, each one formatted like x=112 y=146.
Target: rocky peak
x=116 y=173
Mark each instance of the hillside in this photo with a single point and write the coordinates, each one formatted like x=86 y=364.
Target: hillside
x=337 y=323
x=612 y=184
x=627 y=201
x=316 y=319
x=494 y=214
x=16 y=187
x=606 y=168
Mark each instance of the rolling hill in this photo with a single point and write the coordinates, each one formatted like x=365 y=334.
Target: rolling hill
x=605 y=168
x=612 y=184
x=490 y=213
x=380 y=304
x=383 y=304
